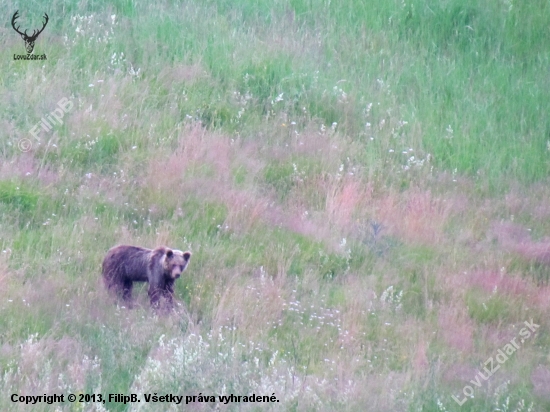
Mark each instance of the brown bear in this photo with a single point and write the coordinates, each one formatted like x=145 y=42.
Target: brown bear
x=123 y=265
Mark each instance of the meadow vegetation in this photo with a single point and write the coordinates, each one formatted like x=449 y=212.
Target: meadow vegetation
x=363 y=185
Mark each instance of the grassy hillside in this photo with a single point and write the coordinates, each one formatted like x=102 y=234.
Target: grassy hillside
x=363 y=185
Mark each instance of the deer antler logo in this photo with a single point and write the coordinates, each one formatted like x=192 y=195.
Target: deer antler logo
x=29 y=40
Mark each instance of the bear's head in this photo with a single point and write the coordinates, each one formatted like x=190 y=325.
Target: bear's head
x=175 y=262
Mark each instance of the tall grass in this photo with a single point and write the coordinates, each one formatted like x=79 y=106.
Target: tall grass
x=363 y=186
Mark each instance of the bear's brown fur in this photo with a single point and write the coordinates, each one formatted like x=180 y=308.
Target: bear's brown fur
x=123 y=265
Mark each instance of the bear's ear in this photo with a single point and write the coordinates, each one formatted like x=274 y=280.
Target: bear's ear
x=169 y=253
x=186 y=256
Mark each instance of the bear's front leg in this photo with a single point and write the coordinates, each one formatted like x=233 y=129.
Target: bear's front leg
x=169 y=294
x=155 y=292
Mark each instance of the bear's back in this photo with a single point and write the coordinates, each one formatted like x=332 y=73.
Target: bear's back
x=127 y=263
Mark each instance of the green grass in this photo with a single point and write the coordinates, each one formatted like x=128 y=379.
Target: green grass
x=17 y=196
x=341 y=171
